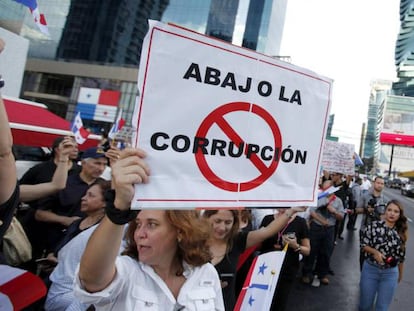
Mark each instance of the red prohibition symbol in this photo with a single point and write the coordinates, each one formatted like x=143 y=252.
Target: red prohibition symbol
x=217 y=117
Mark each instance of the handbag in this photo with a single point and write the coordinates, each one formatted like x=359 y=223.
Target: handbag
x=16 y=246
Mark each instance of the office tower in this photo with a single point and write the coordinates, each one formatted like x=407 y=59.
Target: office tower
x=109 y=32
x=379 y=91
x=404 y=50
x=255 y=24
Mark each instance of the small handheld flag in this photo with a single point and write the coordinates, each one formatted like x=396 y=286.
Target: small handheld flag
x=81 y=134
x=328 y=191
x=358 y=160
x=39 y=18
x=259 y=287
x=117 y=126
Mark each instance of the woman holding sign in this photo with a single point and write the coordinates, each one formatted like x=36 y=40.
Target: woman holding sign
x=165 y=264
x=227 y=243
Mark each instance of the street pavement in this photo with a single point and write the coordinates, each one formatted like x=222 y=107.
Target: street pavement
x=342 y=294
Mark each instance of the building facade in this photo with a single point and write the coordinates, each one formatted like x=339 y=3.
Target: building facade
x=97 y=44
x=254 y=24
x=379 y=91
x=404 y=51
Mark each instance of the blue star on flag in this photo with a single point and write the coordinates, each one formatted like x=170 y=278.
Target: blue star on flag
x=251 y=300
x=262 y=268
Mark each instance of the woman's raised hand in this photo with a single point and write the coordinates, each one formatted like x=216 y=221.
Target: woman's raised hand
x=130 y=169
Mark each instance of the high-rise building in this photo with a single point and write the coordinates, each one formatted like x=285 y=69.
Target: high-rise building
x=109 y=32
x=379 y=91
x=16 y=18
x=404 y=51
x=255 y=24
x=97 y=43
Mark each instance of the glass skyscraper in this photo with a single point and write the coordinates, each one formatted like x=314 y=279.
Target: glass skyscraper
x=404 y=51
x=254 y=24
x=97 y=43
x=109 y=32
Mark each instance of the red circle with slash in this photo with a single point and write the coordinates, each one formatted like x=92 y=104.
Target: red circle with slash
x=216 y=117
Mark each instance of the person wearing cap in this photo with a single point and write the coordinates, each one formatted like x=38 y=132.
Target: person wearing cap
x=43 y=173
x=58 y=211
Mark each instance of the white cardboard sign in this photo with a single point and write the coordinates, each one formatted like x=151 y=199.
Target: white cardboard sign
x=338 y=157
x=224 y=126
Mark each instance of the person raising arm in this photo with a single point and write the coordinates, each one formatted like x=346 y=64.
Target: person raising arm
x=38 y=191
x=166 y=261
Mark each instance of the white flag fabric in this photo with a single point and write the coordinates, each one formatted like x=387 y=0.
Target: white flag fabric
x=119 y=123
x=81 y=134
x=260 y=284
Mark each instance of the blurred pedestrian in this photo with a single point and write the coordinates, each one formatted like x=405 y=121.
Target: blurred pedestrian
x=296 y=235
x=383 y=243
x=227 y=243
x=373 y=207
x=355 y=203
x=323 y=217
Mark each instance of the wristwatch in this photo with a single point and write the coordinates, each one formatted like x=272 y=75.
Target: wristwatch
x=1 y=82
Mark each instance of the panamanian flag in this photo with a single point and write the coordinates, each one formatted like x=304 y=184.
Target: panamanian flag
x=117 y=126
x=81 y=134
x=260 y=284
x=328 y=191
x=39 y=18
x=97 y=104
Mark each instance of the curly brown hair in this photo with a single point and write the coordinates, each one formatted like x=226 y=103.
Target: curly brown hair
x=194 y=233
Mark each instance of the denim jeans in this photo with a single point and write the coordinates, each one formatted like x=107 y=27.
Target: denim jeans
x=322 y=241
x=377 y=282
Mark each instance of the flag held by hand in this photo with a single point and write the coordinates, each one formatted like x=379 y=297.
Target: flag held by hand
x=81 y=134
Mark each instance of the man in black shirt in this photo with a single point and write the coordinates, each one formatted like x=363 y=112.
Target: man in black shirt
x=342 y=193
x=58 y=211
x=41 y=173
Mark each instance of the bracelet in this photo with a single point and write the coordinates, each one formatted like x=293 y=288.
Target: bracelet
x=298 y=249
x=115 y=215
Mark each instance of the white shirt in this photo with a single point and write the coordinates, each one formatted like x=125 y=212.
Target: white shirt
x=366 y=184
x=60 y=295
x=136 y=286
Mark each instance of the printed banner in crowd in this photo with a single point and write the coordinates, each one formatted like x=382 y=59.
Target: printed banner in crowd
x=97 y=104
x=225 y=126
x=339 y=157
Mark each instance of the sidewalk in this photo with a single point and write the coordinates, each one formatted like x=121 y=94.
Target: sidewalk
x=342 y=293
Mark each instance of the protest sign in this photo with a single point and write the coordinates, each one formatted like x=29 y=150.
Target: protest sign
x=339 y=157
x=225 y=126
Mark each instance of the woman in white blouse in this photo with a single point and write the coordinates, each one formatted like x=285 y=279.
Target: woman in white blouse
x=165 y=266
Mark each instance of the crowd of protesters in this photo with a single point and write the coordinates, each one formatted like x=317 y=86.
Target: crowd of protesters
x=94 y=252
